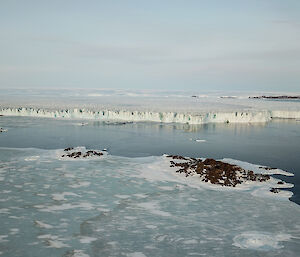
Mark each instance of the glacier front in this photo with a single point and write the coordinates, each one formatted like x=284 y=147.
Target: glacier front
x=170 y=108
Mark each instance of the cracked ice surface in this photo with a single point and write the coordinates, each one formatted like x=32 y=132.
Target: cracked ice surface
x=133 y=207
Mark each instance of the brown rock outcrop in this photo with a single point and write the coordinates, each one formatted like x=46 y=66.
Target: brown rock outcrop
x=215 y=172
x=79 y=154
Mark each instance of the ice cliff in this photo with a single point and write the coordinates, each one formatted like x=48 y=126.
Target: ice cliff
x=166 y=117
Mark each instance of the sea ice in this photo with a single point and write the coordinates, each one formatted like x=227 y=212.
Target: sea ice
x=42 y=224
x=77 y=253
x=260 y=240
x=136 y=254
x=153 y=208
x=61 y=196
x=158 y=213
x=87 y=240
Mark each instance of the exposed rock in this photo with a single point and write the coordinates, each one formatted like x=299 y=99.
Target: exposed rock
x=92 y=153
x=2 y=130
x=117 y=122
x=274 y=190
x=69 y=149
x=215 y=172
x=79 y=154
x=275 y=97
x=177 y=157
x=280 y=183
x=267 y=168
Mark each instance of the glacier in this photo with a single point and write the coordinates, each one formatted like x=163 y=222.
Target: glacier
x=142 y=116
x=135 y=106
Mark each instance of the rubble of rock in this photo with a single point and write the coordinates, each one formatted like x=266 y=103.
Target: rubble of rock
x=275 y=97
x=267 y=168
x=117 y=122
x=215 y=172
x=274 y=190
x=78 y=154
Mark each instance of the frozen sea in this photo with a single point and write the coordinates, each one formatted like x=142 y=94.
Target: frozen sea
x=129 y=202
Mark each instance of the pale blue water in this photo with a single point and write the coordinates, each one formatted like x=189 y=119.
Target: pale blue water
x=108 y=207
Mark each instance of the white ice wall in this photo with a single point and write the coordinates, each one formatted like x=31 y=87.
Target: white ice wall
x=286 y=114
x=166 y=117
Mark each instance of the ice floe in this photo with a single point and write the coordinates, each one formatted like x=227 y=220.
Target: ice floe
x=87 y=240
x=32 y=158
x=53 y=241
x=153 y=208
x=200 y=140
x=77 y=253
x=65 y=206
x=61 y=196
x=42 y=224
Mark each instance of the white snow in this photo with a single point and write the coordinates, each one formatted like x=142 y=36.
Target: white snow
x=177 y=107
x=136 y=254
x=87 y=240
x=78 y=253
x=42 y=224
x=56 y=244
x=159 y=170
x=61 y=196
x=200 y=140
x=80 y=184
x=32 y=158
x=153 y=208
x=53 y=241
x=2 y=238
x=260 y=240
x=62 y=207
x=257 y=168
x=122 y=196
x=14 y=231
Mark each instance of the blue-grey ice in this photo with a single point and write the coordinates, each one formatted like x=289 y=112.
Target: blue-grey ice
x=117 y=206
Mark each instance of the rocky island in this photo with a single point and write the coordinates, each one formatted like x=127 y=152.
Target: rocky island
x=217 y=172
x=70 y=152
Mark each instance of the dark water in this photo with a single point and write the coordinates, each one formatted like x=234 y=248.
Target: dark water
x=275 y=144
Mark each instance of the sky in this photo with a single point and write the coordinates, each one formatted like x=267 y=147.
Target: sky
x=232 y=45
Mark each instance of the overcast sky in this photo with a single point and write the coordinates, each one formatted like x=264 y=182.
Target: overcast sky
x=137 y=44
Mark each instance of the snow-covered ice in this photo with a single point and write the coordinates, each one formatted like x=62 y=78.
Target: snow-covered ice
x=155 y=107
x=137 y=207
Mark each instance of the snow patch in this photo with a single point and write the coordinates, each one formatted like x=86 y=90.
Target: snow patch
x=136 y=254
x=87 y=240
x=260 y=240
x=153 y=208
x=61 y=196
x=31 y=158
x=42 y=224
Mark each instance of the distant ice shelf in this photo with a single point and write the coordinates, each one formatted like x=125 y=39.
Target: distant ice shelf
x=251 y=116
